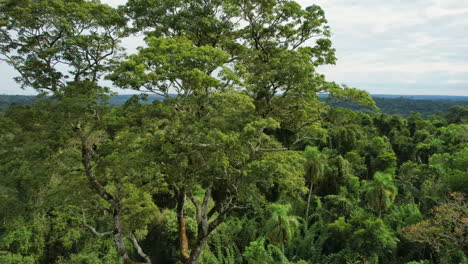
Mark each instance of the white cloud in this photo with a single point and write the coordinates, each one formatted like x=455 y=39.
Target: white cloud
x=455 y=81
x=435 y=11
x=409 y=68
x=407 y=42
x=114 y=3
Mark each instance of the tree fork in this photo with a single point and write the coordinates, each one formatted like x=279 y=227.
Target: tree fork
x=87 y=154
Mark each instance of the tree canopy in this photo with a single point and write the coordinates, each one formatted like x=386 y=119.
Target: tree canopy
x=239 y=162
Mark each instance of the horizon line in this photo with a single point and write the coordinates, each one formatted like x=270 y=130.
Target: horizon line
x=371 y=94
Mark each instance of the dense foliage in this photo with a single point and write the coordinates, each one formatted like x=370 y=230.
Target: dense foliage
x=240 y=163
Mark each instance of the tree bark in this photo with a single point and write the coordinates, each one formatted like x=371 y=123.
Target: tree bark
x=118 y=237
x=87 y=155
x=205 y=227
x=184 y=249
x=139 y=250
x=197 y=249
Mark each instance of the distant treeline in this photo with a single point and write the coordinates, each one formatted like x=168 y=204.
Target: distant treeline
x=6 y=100
x=403 y=105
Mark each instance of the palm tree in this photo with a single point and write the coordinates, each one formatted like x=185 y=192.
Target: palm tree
x=281 y=227
x=381 y=192
x=347 y=137
x=314 y=172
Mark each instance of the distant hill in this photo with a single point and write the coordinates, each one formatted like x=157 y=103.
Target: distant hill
x=423 y=97
x=122 y=98
x=390 y=104
x=6 y=100
x=405 y=105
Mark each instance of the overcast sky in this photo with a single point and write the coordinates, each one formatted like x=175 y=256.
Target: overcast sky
x=383 y=46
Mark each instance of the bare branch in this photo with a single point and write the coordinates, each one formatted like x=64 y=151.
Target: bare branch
x=139 y=250
x=94 y=229
x=273 y=150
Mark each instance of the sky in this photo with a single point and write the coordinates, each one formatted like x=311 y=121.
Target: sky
x=415 y=47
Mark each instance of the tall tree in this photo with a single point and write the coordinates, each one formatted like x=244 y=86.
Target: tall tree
x=380 y=192
x=445 y=231
x=55 y=42
x=315 y=171
x=64 y=47
x=281 y=227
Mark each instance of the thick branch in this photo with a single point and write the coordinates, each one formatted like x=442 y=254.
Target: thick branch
x=184 y=249
x=118 y=236
x=204 y=213
x=220 y=218
x=87 y=153
x=273 y=150
x=94 y=229
x=205 y=227
x=214 y=210
x=139 y=250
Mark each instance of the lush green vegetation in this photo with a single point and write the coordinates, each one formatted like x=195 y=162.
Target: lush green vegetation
x=243 y=165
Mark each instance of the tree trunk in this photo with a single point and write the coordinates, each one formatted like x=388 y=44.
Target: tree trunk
x=205 y=227
x=87 y=155
x=184 y=250
x=308 y=205
x=118 y=237
x=196 y=251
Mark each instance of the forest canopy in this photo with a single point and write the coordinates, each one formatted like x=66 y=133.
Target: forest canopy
x=240 y=162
